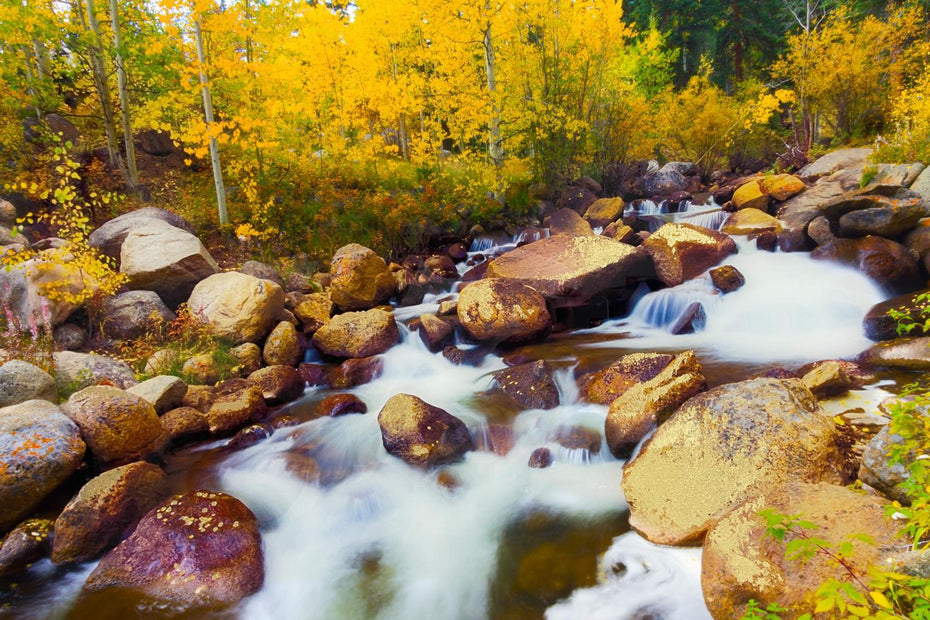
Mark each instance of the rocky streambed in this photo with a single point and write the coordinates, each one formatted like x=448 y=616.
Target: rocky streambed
x=562 y=424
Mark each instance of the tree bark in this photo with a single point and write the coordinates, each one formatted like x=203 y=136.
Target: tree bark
x=208 y=117
x=130 y=148
x=495 y=145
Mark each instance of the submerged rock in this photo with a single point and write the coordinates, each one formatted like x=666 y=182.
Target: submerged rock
x=725 y=446
x=27 y=543
x=341 y=404
x=501 y=310
x=530 y=385
x=421 y=434
x=890 y=264
x=197 y=549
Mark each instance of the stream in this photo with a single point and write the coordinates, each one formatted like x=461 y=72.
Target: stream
x=490 y=537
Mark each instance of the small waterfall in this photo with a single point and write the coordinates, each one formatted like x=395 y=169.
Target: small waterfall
x=706 y=215
x=663 y=309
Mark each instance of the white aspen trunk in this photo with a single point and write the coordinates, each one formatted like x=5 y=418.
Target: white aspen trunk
x=103 y=89
x=208 y=117
x=132 y=171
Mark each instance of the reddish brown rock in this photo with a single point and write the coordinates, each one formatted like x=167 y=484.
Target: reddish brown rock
x=604 y=386
x=421 y=434
x=313 y=374
x=890 y=264
x=435 y=333
x=117 y=426
x=355 y=372
x=278 y=384
x=27 y=543
x=184 y=422
x=250 y=435
x=105 y=509
x=683 y=251
x=540 y=458
x=231 y=411
x=197 y=549
x=568 y=222
x=341 y=404
x=727 y=278
x=530 y=385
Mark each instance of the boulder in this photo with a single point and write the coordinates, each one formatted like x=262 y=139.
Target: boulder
x=156 y=142
x=693 y=319
x=750 y=196
x=435 y=333
x=604 y=386
x=648 y=403
x=76 y=371
x=238 y=408
x=727 y=278
x=117 y=426
x=248 y=356
x=796 y=213
x=237 y=307
x=282 y=346
x=827 y=378
x=898 y=174
x=781 y=187
x=421 y=434
x=132 y=314
x=197 y=549
x=199 y=397
x=279 y=384
x=314 y=311
x=39 y=449
x=110 y=236
x=882 y=475
x=722 y=447
x=878 y=325
x=105 y=509
x=360 y=278
x=164 y=392
x=69 y=337
x=162 y=362
x=540 y=458
x=24 y=289
x=8 y=214
x=906 y=353
x=530 y=385
x=821 y=231
x=503 y=310
x=740 y=562
x=184 y=422
x=887 y=216
x=263 y=271
x=921 y=184
x=749 y=221
x=570 y=266
x=683 y=251
x=341 y=404
x=576 y=198
x=21 y=381
x=603 y=211
x=357 y=334
x=830 y=163
x=663 y=183
x=917 y=241
x=165 y=259
x=27 y=543
x=883 y=260
x=567 y=222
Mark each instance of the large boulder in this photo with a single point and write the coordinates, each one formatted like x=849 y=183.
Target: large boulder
x=570 y=266
x=529 y=385
x=879 y=325
x=21 y=381
x=132 y=314
x=888 y=263
x=237 y=307
x=921 y=184
x=837 y=160
x=110 y=236
x=887 y=216
x=567 y=222
x=725 y=446
x=165 y=259
x=360 y=278
x=741 y=563
x=750 y=221
x=750 y=196
x=781 y=187
x=898 y=174
x=918 y=242
x=646 y=404
x=796 y=213
x=683 y=251
x=421 y=434
x=603 y=211
x=503 y=310
x=906 y=353
x=39 y=449
x=117 y=426
x=665 y=182
x=604 y=386
x=42 y=291
x=105 y=509
x=76 y=371
x=357 y=334
x=197 y=549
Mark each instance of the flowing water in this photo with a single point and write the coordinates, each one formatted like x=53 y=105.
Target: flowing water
x=490 y=536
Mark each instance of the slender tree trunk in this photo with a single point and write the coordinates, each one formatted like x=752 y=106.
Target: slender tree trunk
x=208 y=117
x=495 y=145
x=402 y=122
x=32 y=81
x=103 y=90
x=132 y=171
x=738 y=43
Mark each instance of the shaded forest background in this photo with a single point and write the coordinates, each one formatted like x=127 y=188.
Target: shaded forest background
x=388 y=123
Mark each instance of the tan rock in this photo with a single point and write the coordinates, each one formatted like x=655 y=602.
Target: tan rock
x=740 y=562
x=237 y=307
x=117 y=426
x=201 y=369
x=570 y=266
x=230 y=411
x=649 y=403
x=282 y=346
x=500 y=310
x=603 y=211
x=314 y=311
x=683 y=251
x=568 y=222
x=164 y=392
x=248 y=355
x=750 y=222
x=184 y=422
x=357 y=334
x=750 y=196
x=360 y=278
x=725 y=446
x=604 y=386
x=421 y=434
x=781 y=187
